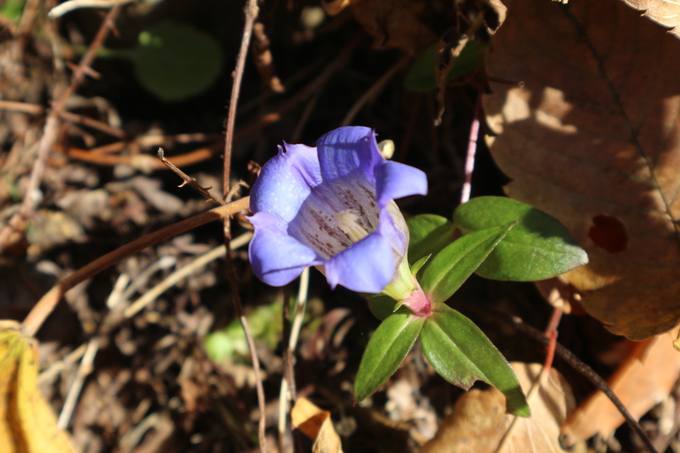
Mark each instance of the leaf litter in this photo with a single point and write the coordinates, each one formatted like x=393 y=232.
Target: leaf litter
x=151 y=386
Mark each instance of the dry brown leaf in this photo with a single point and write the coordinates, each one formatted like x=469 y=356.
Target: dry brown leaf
x=394 y=24
x=589 y=131
x=478 y=421
x=665 y=12
x=641 y=382
x=315 y=423
x=27 y=424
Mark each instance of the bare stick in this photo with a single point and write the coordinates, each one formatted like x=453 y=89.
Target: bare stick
x=73 y=5
x=33 y=195
x=288 y=390
x=471 y=150
x=188 y=179
x=251 y=12
x=49 y=301
x=84 y=370
x=591 y=375
x=181 y=273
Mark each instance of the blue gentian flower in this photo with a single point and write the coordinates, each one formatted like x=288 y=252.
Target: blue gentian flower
x=332 y=207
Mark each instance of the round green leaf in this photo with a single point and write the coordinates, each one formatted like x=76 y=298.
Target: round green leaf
x=385 y=351
x=460 y=352
x=175 y=61
x=538 y=247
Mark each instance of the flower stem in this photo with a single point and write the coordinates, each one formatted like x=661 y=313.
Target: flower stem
x=418 y=302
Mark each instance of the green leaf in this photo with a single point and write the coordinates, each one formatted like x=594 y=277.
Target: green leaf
x=175 y=61
x=447 y=271
x=385 y=351
x=429 y=235
x=538 y=247
x=419 y=264
x=12 y=10
x=381 y=306
x=460 y=352
x=422 y=74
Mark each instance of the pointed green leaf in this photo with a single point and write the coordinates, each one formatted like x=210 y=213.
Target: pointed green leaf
x=460 y=352
x=429 y=235
x=381 y=305
x=538 y=247
x=419 y=264
x=449 y=269
x=385 y=351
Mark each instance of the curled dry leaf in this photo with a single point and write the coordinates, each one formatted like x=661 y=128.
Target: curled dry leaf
x=315 y=423
x=644 y=379
x=478 y=422
x=589 y=131
x=665 y=12
x=27 y=424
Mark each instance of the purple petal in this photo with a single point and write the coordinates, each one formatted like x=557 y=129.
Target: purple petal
x=394 y=229
x=277 y=258
x=367 y=266
x=343 y=150
x=285 y=181
x=395 y=180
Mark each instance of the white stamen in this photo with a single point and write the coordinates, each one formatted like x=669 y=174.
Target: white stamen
x=348 y=223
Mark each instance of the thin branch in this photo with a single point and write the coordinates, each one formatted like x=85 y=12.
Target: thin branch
x=288 y=391
x=73 y=5
x=251 y=12
x=191 y=181
x=471 y=150
x=84 y=370
x=181 y=273
x=590 y=374
x=48 y=302
x=33 y=195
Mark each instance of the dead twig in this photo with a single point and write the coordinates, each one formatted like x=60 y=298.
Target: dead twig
x=73 y=5
x=589 y=374
x=48 y=302
x=84 y=370
x=251 y=12
x=471 y=150
x=33 y=195
x=191 y=181
x=181 y=273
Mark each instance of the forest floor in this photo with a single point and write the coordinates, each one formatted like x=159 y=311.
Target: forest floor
x=152 y=382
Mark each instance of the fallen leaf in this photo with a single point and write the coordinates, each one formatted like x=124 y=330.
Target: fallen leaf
x=315 y=423
x=27 y=424
x=665 y=12
x=478 y=422
x=644 y=379
x=393 y=24
x=588 y=124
